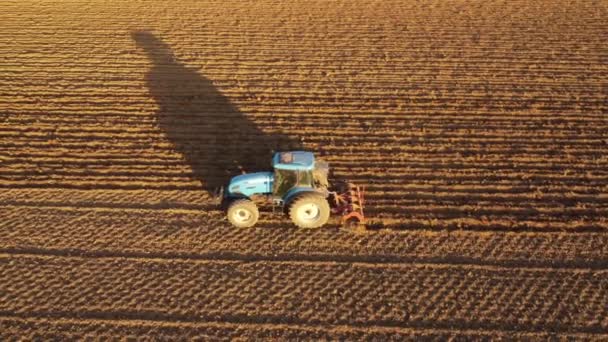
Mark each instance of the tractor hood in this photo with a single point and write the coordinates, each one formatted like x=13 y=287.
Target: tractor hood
x=250 y=184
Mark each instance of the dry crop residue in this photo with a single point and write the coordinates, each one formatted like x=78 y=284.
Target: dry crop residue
x=479 y=129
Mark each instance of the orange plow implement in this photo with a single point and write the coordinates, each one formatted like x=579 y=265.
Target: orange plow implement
x=349 y=202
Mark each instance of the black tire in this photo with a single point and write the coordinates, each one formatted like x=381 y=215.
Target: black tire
x=243 y=213
x=309 y=211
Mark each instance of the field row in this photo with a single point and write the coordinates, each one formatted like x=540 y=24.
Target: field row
x=470 y=37
x=268 y=46
x=383 y=185
x=125 y=82
x=440 y=86
x=448 y=116
x=342 y=147
x=323 y=145
x=243 y=90
x=442 y=175
x=438 y=102
x=572 y=194
x=194 y=198
x=419 y=296
x=104 y=172
x=425 y=214
x=60 y=176
x=517 y=191
x=389 y=135
x=339 y=147
x=517 y=126
x=383 y=179
x=163 y=156
x=176 y=224
x=450 y=113
x=114 y=329
x=173 y=166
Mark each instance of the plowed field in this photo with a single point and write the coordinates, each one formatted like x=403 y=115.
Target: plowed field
x=479 y=129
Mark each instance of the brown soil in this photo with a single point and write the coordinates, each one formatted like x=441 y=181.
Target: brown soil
x=479 y=129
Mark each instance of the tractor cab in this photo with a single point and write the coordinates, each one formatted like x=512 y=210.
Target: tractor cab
x=298 y=171
x=292 y=170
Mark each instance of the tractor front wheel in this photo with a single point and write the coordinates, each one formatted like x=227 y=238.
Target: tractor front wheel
x=309 y=211
x=243 y=213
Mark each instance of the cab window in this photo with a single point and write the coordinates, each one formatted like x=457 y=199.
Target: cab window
x=283 y=181
x=304 y=178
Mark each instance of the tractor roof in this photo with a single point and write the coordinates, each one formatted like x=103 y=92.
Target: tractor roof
x=293 y=160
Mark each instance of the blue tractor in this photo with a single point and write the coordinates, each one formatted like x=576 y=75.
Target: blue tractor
x=299 y=185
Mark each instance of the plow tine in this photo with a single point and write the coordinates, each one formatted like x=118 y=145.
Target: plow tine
x=352 y=211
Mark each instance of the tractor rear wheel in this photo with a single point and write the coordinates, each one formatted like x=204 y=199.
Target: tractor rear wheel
x=243 y=213
x=309 y=211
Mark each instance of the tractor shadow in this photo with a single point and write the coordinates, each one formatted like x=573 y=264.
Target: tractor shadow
x=215 y=138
